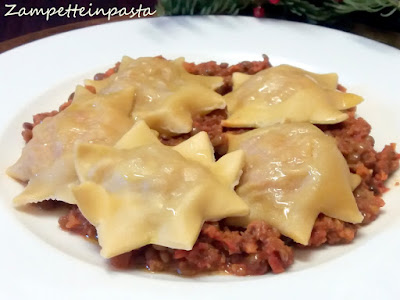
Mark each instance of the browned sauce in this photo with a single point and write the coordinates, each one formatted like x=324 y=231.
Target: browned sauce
x=258 y=248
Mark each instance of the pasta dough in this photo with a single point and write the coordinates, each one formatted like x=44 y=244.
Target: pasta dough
x=46 y=160
x=294 y=172
x=166 y=95
x=286 y=94
x=142 y=192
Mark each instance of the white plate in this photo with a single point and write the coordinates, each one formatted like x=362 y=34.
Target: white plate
x=37 y=259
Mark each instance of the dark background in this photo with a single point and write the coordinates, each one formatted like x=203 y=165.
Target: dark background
x=14 y=29
x=14 y=26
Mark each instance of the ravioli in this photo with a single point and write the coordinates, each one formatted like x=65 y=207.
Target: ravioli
x=166 y=95
x=286 y=94
x=141 y=192
x=46 y=160
x=293 y=173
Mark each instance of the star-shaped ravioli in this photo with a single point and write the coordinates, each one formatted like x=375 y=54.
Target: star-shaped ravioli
x=286 y=94
x=141 y=192
x=166 y=95
x=47 y=161
x=293 y=173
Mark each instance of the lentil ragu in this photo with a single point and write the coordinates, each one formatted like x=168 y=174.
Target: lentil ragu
x=259 y=248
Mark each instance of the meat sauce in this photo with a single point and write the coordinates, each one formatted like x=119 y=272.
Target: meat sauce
x=259 y=248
